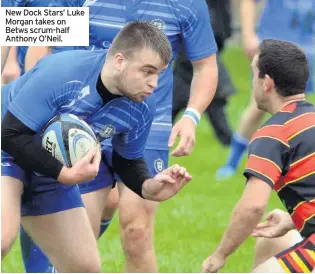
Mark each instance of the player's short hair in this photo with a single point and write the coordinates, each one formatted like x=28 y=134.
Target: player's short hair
x=286 y=64
x=141 y=34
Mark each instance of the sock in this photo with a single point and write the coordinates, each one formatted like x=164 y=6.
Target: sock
x=238 y=146
x=51 y=269
x=104 y=225
x=35 y=261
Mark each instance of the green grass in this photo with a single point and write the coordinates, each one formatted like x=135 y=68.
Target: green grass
x=189 y=226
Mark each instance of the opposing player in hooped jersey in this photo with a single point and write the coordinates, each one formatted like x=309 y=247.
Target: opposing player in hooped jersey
x=186 y=22
x=112 y=94
x=281 y=157
x=288 y=20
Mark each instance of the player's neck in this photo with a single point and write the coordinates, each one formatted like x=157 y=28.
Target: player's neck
x=109 y=81
x=284 y=101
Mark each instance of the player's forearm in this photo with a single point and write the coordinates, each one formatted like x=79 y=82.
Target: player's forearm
x=4 y=56
x=133 y=173
x=248 y=18
x=245 y=217
x=204 y=83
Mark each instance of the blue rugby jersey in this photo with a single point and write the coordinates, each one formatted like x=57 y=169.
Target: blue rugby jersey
x=290 y=20
x=183 y=21
x=58 y=85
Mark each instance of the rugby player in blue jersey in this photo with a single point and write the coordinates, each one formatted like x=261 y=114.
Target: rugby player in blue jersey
x=113 y=94
x=184 y=22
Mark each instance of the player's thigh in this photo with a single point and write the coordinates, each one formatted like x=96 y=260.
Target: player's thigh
x=54 y=216
x=266 y=248
x=11 y=191
x=66 y=237
x=133 y=208
x=95 y=194
x=94 y=203
x=12 y=183
x=272 y=265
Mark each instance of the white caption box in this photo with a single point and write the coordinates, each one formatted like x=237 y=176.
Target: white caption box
x=44 y=26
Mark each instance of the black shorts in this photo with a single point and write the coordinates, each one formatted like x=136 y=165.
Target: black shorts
x=299 y=258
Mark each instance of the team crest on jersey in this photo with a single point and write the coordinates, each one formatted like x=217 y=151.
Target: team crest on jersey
x=158 y=165
x=108 y=131
x=159 y=23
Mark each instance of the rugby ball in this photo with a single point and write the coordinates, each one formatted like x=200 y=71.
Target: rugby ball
x=68 y=138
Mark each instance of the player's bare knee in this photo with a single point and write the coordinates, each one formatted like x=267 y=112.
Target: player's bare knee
x=113 y=200
x=112 y=205
x=136 y=239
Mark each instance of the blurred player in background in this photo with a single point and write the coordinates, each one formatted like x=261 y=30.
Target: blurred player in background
x=51 y=204
x=220 y=15
x=18 y=61
x=185 y=22
x=289 y=20
x=281 y=157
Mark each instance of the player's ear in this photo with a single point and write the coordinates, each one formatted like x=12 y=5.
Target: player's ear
x=119 y=61
x=269 y=84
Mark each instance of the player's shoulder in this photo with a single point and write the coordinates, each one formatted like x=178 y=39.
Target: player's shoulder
x=75 y=62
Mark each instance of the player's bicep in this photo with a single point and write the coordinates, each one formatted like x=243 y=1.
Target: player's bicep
x=197 y=32
x=256 y=192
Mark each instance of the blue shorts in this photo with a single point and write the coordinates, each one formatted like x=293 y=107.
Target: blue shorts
x=156 y=160
x=41 y=195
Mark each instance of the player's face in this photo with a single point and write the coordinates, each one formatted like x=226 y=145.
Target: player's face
x=258 y=86
x=140 y=73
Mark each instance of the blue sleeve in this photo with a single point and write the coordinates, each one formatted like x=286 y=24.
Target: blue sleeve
x=197 y=32
x=132 y=144
x=40 y=97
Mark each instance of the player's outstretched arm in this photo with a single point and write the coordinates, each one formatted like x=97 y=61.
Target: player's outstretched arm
x=166 y=184
x=245 y=217
x=135 y=175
